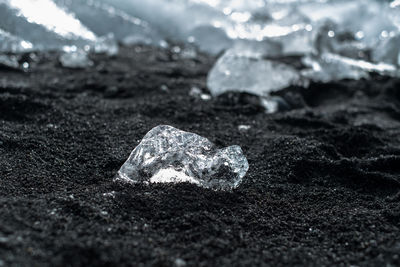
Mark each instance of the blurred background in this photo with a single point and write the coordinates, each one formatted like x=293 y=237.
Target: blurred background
x=330 y=39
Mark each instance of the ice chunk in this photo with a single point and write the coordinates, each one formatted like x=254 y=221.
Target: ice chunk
x=10 y=62
x=388 y=50
x=298 y=42
x=330 y=67
x=270 y=105
x=197 y=93
x=235 y=72
x=210 y=39
x=167 y=154
x=25 y=19
x=244 y=128
x=75 y=60
x=103 y=19
x=107 y=45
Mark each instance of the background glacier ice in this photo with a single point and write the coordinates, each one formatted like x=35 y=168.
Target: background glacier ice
x=330 y=35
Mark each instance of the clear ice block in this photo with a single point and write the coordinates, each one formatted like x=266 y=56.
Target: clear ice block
x=170 y=155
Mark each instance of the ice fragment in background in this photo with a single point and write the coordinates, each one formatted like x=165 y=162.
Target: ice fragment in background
x=53 y=30
x=196 y=92
x=10 y=43
x=298 y=42
x=388 y=50
x=270 y=105
x=103 y=19
x=106 y=45
x=244 y=128
x=9 y=62
x=210 y=39
x=331 y=67
x=235 y=72
x=75 y=60
x=169 y=155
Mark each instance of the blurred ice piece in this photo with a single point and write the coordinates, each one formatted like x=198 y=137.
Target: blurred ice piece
x=330 y=39
x=13 y=44
x=107 y=45
x=394 y=13
x=169 y=155
x=104 y=19
x=298 y=42
x=270 y=105
x=332 y=67
x=9 y=62
x=55 y=29
x=273 y=104
x=210 y=39
x=236 y=72
x=388 y=50
x=197 y=93
x=368 y=17
x=75 y=59
x=244 y=128
x=257 y=49
x=395 y=3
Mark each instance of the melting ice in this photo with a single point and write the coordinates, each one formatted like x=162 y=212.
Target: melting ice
x=169 y=155
x=336 y=38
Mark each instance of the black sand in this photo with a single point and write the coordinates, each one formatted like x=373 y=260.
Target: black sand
x=322 y=188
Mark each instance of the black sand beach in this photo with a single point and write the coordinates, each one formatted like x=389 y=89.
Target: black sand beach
x=323 y=186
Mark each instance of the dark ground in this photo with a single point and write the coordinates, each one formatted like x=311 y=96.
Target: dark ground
x=323 y=186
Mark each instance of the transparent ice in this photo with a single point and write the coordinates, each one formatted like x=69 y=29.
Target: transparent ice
x=238 y=72
x=170 y=155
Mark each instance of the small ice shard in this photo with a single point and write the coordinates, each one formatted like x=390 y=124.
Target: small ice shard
x=235 y=72
x=103 y=18
x=197 y=93
x=270 y=105
x=75 y=60
x=164 y=88
x=169 y=155
x=244 y=128
x=25 y=19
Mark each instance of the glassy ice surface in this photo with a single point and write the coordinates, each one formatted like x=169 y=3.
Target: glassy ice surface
x=169 y=155
x=235 y=72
